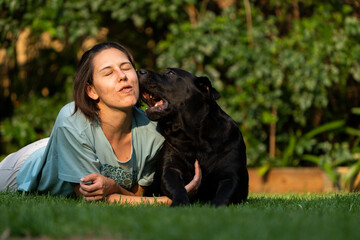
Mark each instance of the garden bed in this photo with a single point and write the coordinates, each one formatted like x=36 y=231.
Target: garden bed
x=298 y=180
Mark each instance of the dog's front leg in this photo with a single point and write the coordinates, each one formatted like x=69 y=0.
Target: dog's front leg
x=224 y=192
x=173 y=184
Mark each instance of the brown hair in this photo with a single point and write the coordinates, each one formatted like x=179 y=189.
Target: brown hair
x=84 y=77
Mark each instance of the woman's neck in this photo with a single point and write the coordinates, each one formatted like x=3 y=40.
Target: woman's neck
x=116 y=124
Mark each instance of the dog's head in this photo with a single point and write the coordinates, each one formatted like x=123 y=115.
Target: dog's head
x=167 y=92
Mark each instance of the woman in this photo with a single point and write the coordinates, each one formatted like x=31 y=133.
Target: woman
x=101 y=144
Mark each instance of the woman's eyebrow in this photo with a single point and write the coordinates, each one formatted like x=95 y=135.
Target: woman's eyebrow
x=104 y=68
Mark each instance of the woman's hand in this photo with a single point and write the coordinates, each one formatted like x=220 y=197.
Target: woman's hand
x=98 y=188
x=193 y=186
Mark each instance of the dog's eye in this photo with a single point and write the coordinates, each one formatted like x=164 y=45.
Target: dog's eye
x=170 y=72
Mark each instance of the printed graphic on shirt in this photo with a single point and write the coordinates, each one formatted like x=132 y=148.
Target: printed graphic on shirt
x=119 y=175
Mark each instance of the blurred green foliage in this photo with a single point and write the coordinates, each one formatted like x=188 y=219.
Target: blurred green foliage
x=291 y=66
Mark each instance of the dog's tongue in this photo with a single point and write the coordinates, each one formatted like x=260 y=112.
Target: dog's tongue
x=161 y=102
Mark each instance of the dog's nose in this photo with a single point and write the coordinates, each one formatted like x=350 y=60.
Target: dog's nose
x=142 y=71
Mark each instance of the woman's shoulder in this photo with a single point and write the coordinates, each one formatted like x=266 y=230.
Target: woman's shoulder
x=67 y=117
x=146 y=137
x=67 y=110
x=142 y=120
x=143 y=124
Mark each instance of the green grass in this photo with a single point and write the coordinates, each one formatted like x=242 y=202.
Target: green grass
x=287 y=216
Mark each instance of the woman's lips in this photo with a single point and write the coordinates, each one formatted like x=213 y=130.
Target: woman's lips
x=123 y=88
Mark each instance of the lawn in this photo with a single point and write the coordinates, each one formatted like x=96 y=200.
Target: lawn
x=264 y=216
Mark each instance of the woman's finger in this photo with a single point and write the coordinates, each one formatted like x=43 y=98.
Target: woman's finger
x=91 y=192
x=198 y=173
x=89 y=178
x=190 y=186
x=195 y=182
x=93 y=198
x=90 y=187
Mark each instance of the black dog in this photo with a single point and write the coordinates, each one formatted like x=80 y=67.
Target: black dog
x=195 y=128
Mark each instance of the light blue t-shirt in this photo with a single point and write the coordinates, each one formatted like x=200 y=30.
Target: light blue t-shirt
x=78 y=147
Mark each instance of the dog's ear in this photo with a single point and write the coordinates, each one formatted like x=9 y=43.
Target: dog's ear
x=204 y=84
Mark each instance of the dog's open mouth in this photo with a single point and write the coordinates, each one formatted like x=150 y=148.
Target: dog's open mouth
x=155 y=103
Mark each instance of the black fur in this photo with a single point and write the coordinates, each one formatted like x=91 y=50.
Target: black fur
x=194 y=127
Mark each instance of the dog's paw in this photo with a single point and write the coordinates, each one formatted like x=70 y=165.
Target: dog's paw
x=219 y=201
x=180 y=201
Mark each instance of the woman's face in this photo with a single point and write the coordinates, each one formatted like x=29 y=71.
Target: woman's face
x=115 y=81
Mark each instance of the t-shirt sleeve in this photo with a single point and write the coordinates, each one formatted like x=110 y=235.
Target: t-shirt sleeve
x=76 y=157
x=148 y=172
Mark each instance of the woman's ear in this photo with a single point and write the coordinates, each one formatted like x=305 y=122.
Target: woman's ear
x=91 y=92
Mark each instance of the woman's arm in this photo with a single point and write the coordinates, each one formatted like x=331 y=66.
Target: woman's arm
x=134 y=200
x=137 y=198
x=99 y=187
x=120 y=194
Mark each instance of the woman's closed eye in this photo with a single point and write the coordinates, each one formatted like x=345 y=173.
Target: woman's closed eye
x=126 y=67
x=108 y=73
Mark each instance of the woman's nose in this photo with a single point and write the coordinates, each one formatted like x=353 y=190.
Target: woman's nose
x=122 y=75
